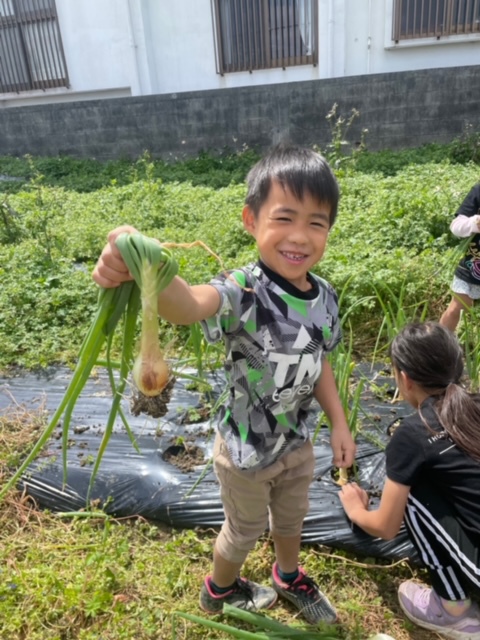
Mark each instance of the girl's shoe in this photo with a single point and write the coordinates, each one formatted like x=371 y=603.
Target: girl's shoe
x=424 y=607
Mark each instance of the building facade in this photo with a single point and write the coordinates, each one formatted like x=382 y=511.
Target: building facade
x=59 y=50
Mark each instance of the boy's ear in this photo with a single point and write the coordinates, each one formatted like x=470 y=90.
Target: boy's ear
x=249 y=219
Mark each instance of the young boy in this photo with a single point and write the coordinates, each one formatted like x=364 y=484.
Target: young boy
x=277 y=320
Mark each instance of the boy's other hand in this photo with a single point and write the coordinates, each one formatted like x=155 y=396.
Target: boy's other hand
x=343 y=446
x=110 y=270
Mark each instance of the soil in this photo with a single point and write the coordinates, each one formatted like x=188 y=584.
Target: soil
x=196 y=415
x=154 y=406
x=186 y=456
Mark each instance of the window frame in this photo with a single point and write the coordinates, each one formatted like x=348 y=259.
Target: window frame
x=255 y=22
x=33 y=55
x=451 y=29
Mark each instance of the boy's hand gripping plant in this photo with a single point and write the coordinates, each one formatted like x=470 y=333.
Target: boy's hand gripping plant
x=152 y=268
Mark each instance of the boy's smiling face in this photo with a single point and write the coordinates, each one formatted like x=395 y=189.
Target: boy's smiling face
x=291 y=234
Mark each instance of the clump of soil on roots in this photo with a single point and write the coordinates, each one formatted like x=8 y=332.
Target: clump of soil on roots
x=154 y=406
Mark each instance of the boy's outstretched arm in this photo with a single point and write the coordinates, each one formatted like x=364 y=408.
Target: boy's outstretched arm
x=326 y=393
x=178 y=303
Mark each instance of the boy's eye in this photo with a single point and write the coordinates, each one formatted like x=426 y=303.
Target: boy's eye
x=321 y=225
x=283 y=219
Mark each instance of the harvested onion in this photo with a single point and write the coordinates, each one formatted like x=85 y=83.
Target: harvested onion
x=153 y=269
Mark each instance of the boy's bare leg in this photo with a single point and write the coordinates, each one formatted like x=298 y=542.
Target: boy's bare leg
x=451 y=316
x=224 y=571
x=286 y=552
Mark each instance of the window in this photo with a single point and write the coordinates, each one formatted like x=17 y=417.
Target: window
x=435 y=18
x=31 y=52
x=261 y=34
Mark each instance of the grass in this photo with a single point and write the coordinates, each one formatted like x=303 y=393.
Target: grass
x=101 y=579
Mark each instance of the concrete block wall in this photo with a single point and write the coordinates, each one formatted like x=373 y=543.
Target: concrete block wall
x=400 y=110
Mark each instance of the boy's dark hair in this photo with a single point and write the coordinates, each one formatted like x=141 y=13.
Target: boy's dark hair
x=431 y=356
x=298 y=168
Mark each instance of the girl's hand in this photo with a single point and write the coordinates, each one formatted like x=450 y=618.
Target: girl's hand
x=353 y=497
x=111 y=270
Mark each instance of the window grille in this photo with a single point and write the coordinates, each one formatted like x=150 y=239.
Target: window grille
x=434 y=18
x=31 y=51
x=262 y=34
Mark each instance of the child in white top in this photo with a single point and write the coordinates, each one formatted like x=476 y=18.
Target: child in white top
x=466 y=281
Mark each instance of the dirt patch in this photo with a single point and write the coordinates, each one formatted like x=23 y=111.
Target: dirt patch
x=186 y=456
x=195 y=415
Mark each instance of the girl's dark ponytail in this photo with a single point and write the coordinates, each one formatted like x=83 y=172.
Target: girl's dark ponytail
x=459 y=414
x=432 y=357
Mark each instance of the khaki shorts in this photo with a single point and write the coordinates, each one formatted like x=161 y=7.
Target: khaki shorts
x=252 y=500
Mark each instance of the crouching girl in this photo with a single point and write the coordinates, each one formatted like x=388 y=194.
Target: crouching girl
x=433 y=482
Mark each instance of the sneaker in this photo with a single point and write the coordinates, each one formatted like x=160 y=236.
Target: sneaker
x=304 y=593
x=424 y=607
x=244 y=595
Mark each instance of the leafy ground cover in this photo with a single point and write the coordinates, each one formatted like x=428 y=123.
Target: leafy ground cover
x=391 y=258
x=391 y=238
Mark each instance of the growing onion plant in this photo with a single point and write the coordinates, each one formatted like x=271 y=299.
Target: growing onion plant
x=396 y=314
x=469 y=336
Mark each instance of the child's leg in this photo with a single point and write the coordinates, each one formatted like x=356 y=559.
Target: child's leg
x=288 y=508
x=245 y=500
x=450 y=554
x=451 y=316
x=289 y=504
x=224 y=572
x=287 y=549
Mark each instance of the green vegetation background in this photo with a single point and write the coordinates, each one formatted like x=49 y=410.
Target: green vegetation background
x=391 y=238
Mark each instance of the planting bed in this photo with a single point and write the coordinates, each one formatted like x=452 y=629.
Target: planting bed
x=170 y=478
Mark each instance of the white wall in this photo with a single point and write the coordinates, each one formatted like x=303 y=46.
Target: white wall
x=354 y=39
x=140 y=47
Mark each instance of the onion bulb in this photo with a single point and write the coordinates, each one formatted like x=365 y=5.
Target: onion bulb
x=150 y=371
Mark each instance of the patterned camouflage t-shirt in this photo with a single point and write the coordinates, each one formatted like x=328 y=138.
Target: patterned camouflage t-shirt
x=275 y=337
